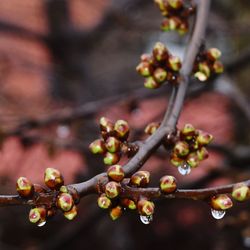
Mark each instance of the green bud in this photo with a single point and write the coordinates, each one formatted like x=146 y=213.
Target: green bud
x=241 y=192
x=161 y=5
x=160 y=75
x=106 y=125
x=104 y=202
x=53 y=178
x=115 y=212
x=37 y=215
x=160 y=52
x=140 y=179
x=112 y=144
x=151 y=83
x=214 y=54
x=174 y=63
x=24 y=187
x=181 y=149
x=125 y=202
x=175 y=160
x=168 y=184
x=116 y=173
x=71 y=214
x=218 y=67
x=144 y=69
x=201 y=76
x=63 y=189
x=183 y=28
x=111 y=158
x=188 y=131
x=97 y=147
x=122 y=129
x=151 y=128
x=112 y=189
x=204 y=138
x=193 y=160
x=221 y=202
x=145 y=207
x=202 y=154
x=64 y=202
x=204 y=68
x=175 y=4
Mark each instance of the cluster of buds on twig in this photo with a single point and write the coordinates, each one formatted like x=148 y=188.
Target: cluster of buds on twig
x=113 y=142
x=63 y=197
x=190 y=149
x=176 y=13
x=160 y=67
x=207 y=64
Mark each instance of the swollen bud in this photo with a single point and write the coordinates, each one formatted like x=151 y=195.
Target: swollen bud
x=144 y=69
x=201 y=76
x=193 y=160
x=218 y=67
x=241 y=192
x=97 y=147
x=202 y=154
x=115 y=212
x=112 y=189
x=181 y=149
x=175 y=4
x=122 y=129
x=24 y=187
x=174 y=63
x=168 y=184
x=140 y=179
x=37 y=215
x=116 y=173
x=221 y=202
x=125 y=202
x=188 y=131
x=145 y=207
x=104 y=202
x=151 y=128
x=175 y=160
x=214 y=54
x=53 y=178
x=106 y=125
x=160 y=52
x=160 y=75
x=204 y=138
x=112 y=144
x=151 y=83
x=71 y=214
x=64 y=202
x=111 y=158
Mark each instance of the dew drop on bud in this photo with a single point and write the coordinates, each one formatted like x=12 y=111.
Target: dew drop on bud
x=41 y=224
x=184 y=169
x=146 y=219
x=218 y=214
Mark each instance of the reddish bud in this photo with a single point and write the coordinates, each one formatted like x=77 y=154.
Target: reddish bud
x=116 y=173
x=125 y=202
x=24 y=187
x=104 y=202
x=106 y=125
x=151 y=128
x=241 y=192
x=214 y=54
x=168 y=184
x=160 y=52
x=204 y=138
x=181 y=149
x=176 y=161
x=174 y=63
x=64 y=202
x=221 y=202
x=202 y=154
x=193 y=160
x=112 y=189
x=122 y=129
x=112 y=144
x=144 y=69
x=97 y=147
x=111 y=158
x=53 y=178
x=218 y=67
x=183 y=28
x=140 y=179
x=71 y=214
x=115 y=212
x=37 y=215
x=145 y=207
x=188 y=131
x=160 y=75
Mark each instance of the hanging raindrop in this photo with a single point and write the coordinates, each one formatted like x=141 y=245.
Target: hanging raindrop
x=218 y=214
x=146 y=219
x=184 y=169
x=41 y=224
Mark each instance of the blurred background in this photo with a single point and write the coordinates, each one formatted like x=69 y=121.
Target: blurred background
x=66 y=63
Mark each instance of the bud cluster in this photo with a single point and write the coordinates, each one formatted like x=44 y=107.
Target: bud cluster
x=114 y=137
x=176 y=13
x=65 y=197
x=159 y=68
x=207 y=64
x=191 y=147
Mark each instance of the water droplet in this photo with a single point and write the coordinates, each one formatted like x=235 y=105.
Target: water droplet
x=146 y=219
x=218 y=214
x=41 y=224
x=184 y=169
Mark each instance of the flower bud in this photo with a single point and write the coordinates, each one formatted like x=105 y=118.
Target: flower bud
x=160 y=52
x=181 y=149
x=183 y=28
x=53 y=178
x=193 y=160
x=221 y=202
x=147 y=58
x=112 y=189
x=160 y=75
x=144 y=69
x=64 y=189
x=97 y=147
x=106 y=125
x=204 y=68
x=140 y=179
x=151 y=83
x=125 y=202
x=115 y=212
x=71 y=214
x=112 y=144
x=202 y=154
x=104 y=202
x=218 y=67
x=116 y=173
x=214 y=54
x=122 y=129
x=188 y=131
x=111 y=158
x=200 y=76
x=161 y=5
x=168 y=184
x=145 y=207
x=175 y=4
x=174 y=63
x=241 y=192
x=24 y=187
x=204 y=138
x=64 y=202
x=175 y=160
x=151 y=128
x=37 y=215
